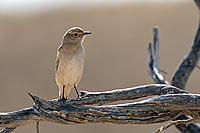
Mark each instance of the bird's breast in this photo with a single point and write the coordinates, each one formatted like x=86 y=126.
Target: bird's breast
x=70 y=68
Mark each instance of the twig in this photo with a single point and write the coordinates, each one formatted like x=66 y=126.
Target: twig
x=7 y=130
x=37 y=127
x=173 y=123
x=153 y=61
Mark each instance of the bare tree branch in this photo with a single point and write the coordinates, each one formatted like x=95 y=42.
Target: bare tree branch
x=153 y=110
x=26 y=116
x=153 y=61
x=183 y=72
x=7 y=130
x=90 y=98
x=189 y=62
x=73 y=112
x=158 y=78
x=173 y=123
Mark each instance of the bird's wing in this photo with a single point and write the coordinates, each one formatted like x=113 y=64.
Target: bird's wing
x=59 y=54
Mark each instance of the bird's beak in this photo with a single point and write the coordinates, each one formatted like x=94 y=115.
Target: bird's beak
x=87 y=33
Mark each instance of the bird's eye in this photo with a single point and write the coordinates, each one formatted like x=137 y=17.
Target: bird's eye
x=75 y=34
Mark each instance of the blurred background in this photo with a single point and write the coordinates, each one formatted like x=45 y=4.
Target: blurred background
x=116 y=52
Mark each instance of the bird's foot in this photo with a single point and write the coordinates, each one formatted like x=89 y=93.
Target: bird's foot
x=78 y=96
x=63 y=100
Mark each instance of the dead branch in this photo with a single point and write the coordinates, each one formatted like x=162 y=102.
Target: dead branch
x=182 y=73
x=189 y=62
x=153 y=60
x=153 y=110
x=158 y=78
x=173 y=123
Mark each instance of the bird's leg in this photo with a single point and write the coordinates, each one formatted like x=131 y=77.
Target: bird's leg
x=76 y=91
x=63 y=96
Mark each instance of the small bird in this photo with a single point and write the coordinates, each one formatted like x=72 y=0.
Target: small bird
x=70 y=61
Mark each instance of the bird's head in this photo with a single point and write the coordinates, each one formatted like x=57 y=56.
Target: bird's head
x=75 y=35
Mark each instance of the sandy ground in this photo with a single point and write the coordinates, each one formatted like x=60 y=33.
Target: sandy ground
x=116 y=54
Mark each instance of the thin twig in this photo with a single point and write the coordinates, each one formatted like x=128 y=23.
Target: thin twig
x=153 y=60
x=163 y=71
x=172 y=123
x=37 y=127
x=7 y=130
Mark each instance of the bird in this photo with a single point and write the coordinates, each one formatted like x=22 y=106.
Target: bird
x=70 y=61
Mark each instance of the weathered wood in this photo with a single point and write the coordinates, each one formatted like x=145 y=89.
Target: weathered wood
x=19 y=118
x=158 y=78
x=7 y=130
x=189 y=62
x=153 y=60
x=182 y=73
x=90 y=98
x=173 y=123
x=153 y=110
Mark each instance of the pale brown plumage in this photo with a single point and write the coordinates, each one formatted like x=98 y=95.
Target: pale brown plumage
x=70 y=61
